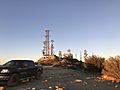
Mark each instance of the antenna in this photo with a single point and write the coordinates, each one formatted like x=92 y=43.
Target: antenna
x=46 y=50
x=80 y=55
x=52 y=47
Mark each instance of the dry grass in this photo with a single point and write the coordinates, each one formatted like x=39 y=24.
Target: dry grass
x=112 y=68
x=94 y=63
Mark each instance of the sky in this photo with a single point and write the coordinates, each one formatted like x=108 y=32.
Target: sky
x=92 y=25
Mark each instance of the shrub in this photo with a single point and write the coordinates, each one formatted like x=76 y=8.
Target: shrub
x=112 y=68
x=94 y=63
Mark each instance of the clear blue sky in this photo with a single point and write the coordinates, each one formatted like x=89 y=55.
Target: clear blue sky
x=93 y=25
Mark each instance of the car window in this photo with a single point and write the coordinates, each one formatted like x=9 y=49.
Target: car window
x=31 y=64
x=10 y=63
x=18 y=64
x=28 y=64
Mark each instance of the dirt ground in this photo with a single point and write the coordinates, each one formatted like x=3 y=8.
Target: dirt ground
x=66 y=79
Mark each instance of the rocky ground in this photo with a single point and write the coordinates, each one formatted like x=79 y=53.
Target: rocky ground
x=59 y=78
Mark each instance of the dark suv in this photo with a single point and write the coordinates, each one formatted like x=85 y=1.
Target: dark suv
x=16 y=70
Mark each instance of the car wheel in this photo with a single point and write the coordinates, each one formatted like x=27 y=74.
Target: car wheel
x=13 y=81
x=38 y=75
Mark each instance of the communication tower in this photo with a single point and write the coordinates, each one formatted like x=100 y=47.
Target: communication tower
x=80 y=55
x=46 y=50
x=52 y=47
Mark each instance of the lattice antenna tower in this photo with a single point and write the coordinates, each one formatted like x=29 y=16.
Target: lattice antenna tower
x=46 y=50
x=52 y=47
x=80 y=55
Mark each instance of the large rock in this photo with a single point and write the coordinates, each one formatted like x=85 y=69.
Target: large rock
x=50 y=60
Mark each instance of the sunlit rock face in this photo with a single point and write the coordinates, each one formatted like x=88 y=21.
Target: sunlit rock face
x=49 y=60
